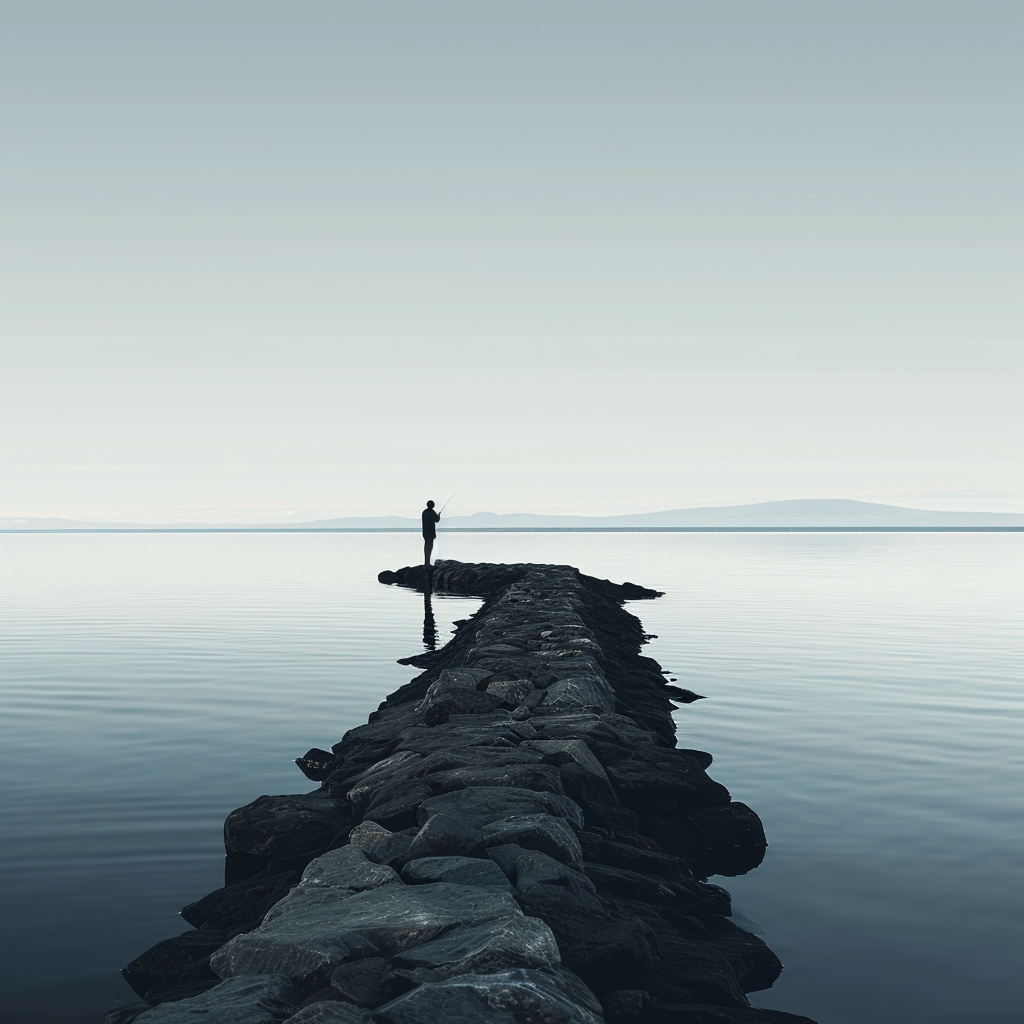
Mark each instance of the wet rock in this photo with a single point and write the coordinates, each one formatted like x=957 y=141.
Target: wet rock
x=513 y=692
x=484 y=874
x=445 y=835
x=330 y=1013
x=367 y=834
x=315 y=764
x=514 y=941
x=543 y=832
x=537 y=777
x=624 y=1006
x=126 y=1013
x=756 y=967
x=731 y=836
x=363 y=982
x=575 y=749
x=285 y=826
x=393 y=850
x=239 y=904
x=669 y=788
x=169 y=958
x=396 y=805
x=246 y=1000
x=505 y=857
x=348 y=869
x=314 y=930
x=579 y=693
x=479 y=806
x=506 y=997
x=534 y=868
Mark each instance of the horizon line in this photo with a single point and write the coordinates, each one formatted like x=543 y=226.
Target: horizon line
x=525 y=529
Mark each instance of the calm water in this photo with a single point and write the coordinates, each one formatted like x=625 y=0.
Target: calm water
x=864 y=696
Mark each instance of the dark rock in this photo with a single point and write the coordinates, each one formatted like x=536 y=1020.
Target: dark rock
x=514 y=941
x=445 y=835
x=606 y=948
x=328 y=1012
x=536 y=777
x=662 y=790
x=534 y=868
x=243 y=903
x=167 y=959
x=266 y=999
x=393 y=850
x=505 y=857
x=314 y=930
x=484 y=874
x=731 y=836
x=632 y=858
x=624 y=1006
x=756 y=967
x=184 y=987
x=508 y=997
x=479 y=806
x=284 y=826
x=315 y=764
x=396 y=806
x=363 y=982
x=687 y=971
x=126 y=1014
x=543 y=832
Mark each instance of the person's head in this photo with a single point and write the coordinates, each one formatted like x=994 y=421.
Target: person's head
x=430 y=504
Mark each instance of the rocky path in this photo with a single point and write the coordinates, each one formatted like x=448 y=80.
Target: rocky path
x=514 y=836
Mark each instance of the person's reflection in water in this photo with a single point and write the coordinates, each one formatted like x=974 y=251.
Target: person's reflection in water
x=429 y=626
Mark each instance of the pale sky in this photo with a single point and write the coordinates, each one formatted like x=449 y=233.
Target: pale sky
x=266 y=260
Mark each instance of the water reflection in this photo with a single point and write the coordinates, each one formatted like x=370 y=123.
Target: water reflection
x=430 y=635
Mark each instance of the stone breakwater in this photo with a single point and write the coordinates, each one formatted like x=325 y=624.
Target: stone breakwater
x=514 y=836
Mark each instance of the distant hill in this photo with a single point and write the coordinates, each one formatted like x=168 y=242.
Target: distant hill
x=807 y=513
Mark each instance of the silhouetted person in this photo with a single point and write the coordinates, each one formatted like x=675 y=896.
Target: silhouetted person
x=430 y=518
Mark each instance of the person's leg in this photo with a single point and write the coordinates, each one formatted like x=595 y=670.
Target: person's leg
x=428 y=546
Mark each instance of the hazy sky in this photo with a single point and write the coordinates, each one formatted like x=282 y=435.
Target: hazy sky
x=312 y=258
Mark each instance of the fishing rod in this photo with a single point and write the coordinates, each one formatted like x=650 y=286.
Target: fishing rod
x=452 y=495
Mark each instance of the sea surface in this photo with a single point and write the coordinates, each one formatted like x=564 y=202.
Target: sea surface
x=865 y=695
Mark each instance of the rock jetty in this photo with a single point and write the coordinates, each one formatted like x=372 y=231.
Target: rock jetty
x=513 y=838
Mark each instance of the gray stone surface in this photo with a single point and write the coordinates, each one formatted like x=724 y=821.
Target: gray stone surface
x=580 y=693
x=515 y=941
x=481 y=805
x=461 y=870
x=284 y=826
x=261 y=1000
x=445 y=835
x=535 y=868
x=330 y=1012
x=507 y=997
x=346 y=868
x=314 y=929
x=576 y=749
x=543 y=832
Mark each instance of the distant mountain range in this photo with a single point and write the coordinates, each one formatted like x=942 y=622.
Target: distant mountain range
x=802 y=514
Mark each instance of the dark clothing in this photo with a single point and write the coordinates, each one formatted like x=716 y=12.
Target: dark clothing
x=430 y=517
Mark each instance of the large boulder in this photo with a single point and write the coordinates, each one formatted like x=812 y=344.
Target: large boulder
x=267 y=999
x=514 y=941
x=481 y=805
x=314 y=929
x=507 y=997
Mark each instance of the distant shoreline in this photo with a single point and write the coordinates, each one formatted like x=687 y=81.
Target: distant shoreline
x=539 y=529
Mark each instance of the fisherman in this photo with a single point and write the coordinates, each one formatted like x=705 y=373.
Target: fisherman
x=430 y=517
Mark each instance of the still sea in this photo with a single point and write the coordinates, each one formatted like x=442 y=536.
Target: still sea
x=865 y=695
